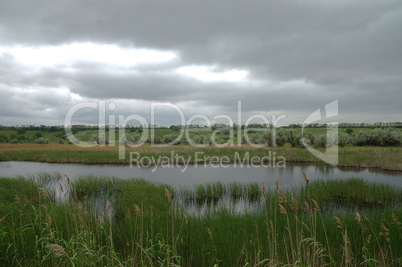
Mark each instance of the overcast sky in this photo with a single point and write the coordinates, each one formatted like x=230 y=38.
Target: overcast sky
x=276 y=57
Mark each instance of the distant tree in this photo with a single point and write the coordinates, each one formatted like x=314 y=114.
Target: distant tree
x=37 y=135
x=174 y=128
x=349 y=131
x=3 y=138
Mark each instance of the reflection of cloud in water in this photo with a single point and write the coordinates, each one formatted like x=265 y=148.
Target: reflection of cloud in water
x=291 y=175
x=59 y=189
x=5 y=165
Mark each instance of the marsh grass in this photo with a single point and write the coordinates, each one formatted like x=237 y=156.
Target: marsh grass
x=218 y=190
x=143 y=225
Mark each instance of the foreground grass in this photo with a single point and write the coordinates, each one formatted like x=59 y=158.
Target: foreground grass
x=110 y=222
x=386 y=158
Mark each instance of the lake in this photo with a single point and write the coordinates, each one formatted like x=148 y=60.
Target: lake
x=200 y=174
x=180 y=177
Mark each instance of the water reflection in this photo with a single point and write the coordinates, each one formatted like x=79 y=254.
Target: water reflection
x=193 y=175
x=51 y=177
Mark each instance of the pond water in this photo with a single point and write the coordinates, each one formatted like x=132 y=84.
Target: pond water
x=181 y=178
x=289 y=175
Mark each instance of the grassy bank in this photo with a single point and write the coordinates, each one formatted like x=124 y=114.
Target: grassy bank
x=107 y=221
x=387 y=158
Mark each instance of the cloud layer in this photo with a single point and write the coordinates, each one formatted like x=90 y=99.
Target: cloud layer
x=276 y=57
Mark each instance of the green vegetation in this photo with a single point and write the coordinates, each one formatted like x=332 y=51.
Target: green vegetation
x=386 y=158
x=285 y=136
x=107 y=222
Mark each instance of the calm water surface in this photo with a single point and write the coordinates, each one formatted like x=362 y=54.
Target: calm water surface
x=179 y=177
x=200 y=174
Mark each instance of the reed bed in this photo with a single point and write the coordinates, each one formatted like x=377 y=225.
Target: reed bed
x=140 y=223
x=218 y=190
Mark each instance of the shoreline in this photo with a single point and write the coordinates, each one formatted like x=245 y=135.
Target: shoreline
x=308 y=163
x=381 y=158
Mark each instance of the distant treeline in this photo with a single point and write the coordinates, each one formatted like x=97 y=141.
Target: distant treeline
x=55 y=128
x=287 y=137
x=375 y=137
x=284 y=136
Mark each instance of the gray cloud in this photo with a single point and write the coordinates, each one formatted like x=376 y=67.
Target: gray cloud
x=300 y=56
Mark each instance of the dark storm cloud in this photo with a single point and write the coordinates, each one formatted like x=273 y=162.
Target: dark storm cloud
x=299 y=55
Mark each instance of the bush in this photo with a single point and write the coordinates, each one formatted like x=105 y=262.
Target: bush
x=202 y=139
x=154 y=139
x=360 y=138
x=384 y=137
x=392 y=137
x=100 y=139
x=14 y=141
x=133 y=138
x=41 y=141
x=320 y=141
x=266 y=138
x=307 y=137
x=253 y=139
x=281 y=137
x=169 y=138
x=343 y=139
x=378 y=137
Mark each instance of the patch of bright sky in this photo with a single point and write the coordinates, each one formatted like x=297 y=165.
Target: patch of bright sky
x=113 y=58
x=207 y=74
x=47 y=56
